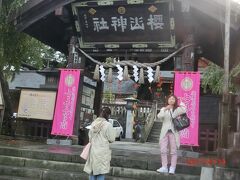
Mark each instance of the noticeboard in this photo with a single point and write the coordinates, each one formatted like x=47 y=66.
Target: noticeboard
x=36 y=104
x=125 y=24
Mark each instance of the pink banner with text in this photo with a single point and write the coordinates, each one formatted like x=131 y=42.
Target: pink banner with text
x=186 y=87
x=66 y=102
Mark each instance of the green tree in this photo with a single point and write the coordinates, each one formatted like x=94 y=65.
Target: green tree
x=213 y=77
x=17 y=48
x=52 y=58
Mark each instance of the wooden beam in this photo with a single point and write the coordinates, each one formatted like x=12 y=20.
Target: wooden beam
x=226 y=47
x=36 y=10
x=214 y=9
x=226 y=98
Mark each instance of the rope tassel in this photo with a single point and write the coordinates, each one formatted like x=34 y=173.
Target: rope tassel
x=96 y=73
x=109 y=75
x=125 y=73
x=141 y=76
x=157 y=74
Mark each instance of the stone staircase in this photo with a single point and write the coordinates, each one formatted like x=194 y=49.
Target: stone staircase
x=155 y=132
x=64 y=163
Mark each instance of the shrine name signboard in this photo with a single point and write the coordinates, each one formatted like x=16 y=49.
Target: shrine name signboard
x=119 y=24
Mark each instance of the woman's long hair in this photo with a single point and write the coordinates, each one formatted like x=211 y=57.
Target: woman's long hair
x=176 y=101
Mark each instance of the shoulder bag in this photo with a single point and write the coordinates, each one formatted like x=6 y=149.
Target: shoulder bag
x=86 y=149
x=85 y=152
x=180 y=122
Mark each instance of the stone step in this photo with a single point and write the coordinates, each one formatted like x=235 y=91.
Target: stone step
x=153 y=140
x=2 y=177
x=158 y=124
x=120 y=158
x=153 y=137
x=155 y=130
x=78 y=167
x=157 y=127
x=24 y=173
x=21 y=172
x=155 y=133
x=37 y=163
x=115 y=174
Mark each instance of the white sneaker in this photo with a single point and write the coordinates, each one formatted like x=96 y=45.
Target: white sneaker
x=162 y=170
x=172 y=170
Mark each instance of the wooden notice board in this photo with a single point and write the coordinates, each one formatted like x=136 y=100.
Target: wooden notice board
x=37 y=104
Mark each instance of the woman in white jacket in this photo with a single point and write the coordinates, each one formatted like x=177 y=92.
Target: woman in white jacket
x=169 y=136
x=100 y=135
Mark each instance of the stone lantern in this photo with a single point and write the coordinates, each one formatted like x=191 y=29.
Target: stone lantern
x=131 y=102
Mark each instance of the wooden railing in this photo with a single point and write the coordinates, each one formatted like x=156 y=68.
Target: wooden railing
x=208 y=140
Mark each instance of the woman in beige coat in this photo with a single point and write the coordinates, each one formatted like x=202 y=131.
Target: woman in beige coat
x=100 y=135
x=169 y=137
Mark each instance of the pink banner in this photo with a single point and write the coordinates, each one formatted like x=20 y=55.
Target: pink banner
x=66 y=102
x=186 y=87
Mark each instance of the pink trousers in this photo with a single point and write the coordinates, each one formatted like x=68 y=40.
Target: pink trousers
x=168 y=140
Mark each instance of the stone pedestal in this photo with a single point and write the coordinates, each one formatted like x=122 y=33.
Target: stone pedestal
x=67 y=142
x=233 y=158
x=206 y=173
x=226 y=174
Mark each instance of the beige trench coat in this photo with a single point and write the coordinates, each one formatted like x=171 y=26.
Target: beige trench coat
x=165 y=117
x=100 y=135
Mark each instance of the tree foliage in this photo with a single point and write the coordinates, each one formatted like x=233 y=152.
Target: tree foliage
x=213 y=78
x=17 y=48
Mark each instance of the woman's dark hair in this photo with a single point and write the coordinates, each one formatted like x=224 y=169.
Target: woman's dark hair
x=176 y=101
x=105 y=112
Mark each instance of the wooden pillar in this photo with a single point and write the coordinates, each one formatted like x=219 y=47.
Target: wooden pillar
x=76 y=61
x=225 y=115
x=98 y=98
x=2 y=107
x=224 y=121
x=238 y=113
x=79 y=105
x=187 y=36
x=188 y=56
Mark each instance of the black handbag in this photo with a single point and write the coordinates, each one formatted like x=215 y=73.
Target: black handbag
x=181 y=122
